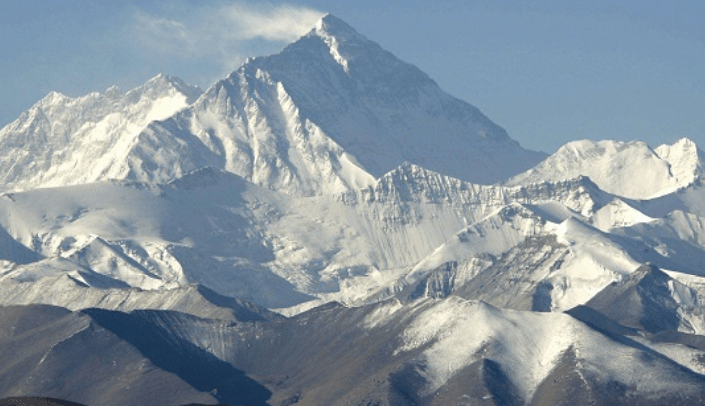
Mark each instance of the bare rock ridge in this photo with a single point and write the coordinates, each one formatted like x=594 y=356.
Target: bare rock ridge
x=434 y=352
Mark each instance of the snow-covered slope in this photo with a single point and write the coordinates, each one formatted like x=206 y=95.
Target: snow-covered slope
x=546 y=256
x=64 y=141
x=214 y=228
x=334 y=172
x=79 y=288
x=335 y=110
x=429 y=352
x=627 y=169
x=330 y=113
x=329 y=171
x=525 y=346
x=242 y=240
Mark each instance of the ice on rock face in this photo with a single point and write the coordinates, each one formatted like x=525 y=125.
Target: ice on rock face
x=336 y=33
x=685 y=160
x=627 y=169
x=63 y=140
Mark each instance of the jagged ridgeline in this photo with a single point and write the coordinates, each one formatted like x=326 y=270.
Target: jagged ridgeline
x=326 y=226
x=331 y=112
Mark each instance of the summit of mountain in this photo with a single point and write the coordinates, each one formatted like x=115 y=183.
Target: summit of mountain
x=64 y=141
x=628 y=169
x=332 y=174
x=330 y=113
x=333 y=111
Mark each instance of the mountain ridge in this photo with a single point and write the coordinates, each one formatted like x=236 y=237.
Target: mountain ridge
x=327 y=226
x=65 y=141
x=612 y=164
x=297 y=122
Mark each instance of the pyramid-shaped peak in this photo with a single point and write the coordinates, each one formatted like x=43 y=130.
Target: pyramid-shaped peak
x=649 y=270
x=685 y=143
x=161 y=85
x=166 y=80
x=647 y=278
x=344 y=43
x=656 y=301
x=113 y=92
x=377 y=108
x=53 y=97
x=330 y=25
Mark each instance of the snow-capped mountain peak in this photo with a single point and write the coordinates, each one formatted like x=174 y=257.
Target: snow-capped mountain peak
x=340 y=38
x=63 y=140
x=333 y=172
x=162 y=85
x=52 y=98
x=330 y=25
x=628 y=169
x=686 y=160
x=367 y=109
x=330 y=113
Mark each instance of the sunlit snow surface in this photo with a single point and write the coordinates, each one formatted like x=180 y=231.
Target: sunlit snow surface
x=628 y=169
x=242 y=240
x=334 y=172
x=63 y=141
x=317 y=174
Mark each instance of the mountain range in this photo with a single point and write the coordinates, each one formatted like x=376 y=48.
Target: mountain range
x=327 y=226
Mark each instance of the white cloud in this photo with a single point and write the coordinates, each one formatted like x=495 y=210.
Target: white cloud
x=282 y=23
x=205 y=41
x=162 y=34
x=220 y=31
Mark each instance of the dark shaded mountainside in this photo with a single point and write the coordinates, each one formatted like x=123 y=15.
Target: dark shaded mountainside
x=36 y=401
x=335 y=355
x=44 y=401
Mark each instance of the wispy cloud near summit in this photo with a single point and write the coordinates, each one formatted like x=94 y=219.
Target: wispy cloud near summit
x=280 y=23
x=221 y=34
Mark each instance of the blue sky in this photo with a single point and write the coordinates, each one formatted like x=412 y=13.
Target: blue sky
x=547 y=71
